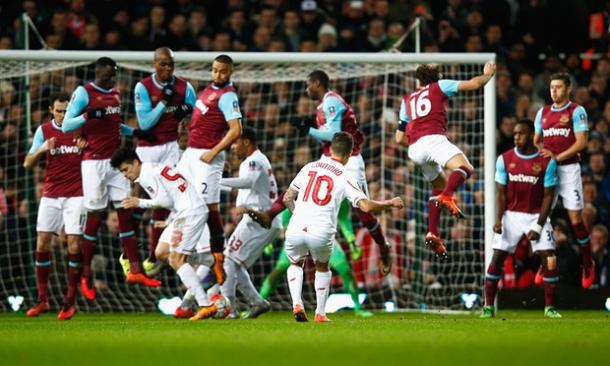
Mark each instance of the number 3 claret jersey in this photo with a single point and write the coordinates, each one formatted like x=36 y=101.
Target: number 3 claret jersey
x=425 y=110
x=322 y=185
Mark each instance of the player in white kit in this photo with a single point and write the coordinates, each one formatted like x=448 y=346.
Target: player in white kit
x=314 y=197
x=257 y=191
x=168 y=189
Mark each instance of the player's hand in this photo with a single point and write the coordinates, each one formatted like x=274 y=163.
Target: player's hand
x=533 y=236
x=355 y=250
x=489 y=68
x=167 y=93
x=183 y=111
x=548 y=154
x=97 y=113
x=144 y=135
x=48 y=144
x=160 y=224
x=397 y=202
x=130 y=202
x=498 y=228
x=303 y=125
x=81 y=142
x=207 y=156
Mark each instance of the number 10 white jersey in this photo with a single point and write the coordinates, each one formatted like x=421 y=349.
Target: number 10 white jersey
x=322 y=185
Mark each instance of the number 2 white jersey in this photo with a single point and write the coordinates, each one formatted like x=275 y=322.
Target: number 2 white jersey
x=256 y=182
x=322 y=185
x=168 y=189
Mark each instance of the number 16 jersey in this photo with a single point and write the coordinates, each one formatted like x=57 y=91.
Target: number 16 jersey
x=322 y=185
x=424 y=111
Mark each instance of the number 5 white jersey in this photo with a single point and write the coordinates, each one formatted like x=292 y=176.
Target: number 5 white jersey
x=168 y=189
x=322 y=185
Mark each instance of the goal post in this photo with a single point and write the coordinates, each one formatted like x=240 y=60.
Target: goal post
x=270 y=88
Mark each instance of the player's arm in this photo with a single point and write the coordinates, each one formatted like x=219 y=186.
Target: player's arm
x=333 y=111
x=162 y=199
x=501 y=181
x=478 y=82
x=403 y=120
x=75 y=113
x=229 y=105
x=289 y=197
x=376 y=207
x=581 y=130
x=244 y=181
x=146 y=115
x=538 y=129
x=550 y=183
x=39 y=148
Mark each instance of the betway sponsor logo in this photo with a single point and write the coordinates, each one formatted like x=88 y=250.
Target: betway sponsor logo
x=201 y=106
x=63 y=149
x=113 y=110
x=522 y=178
x=565 y=132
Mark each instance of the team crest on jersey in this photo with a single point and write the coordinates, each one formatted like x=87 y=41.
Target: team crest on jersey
x=98 y=98
x=150 y=189
x=211 y=97
x=536 y=168
x=252 y=165
x=235 y=106
x=332 y=111
x=512 y=165
x=154 y=98
x=564 y=119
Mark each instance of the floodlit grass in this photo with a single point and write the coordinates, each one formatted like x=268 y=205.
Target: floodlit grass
x=524 y=337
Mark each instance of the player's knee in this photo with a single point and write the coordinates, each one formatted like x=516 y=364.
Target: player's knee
x=43 y=242
x=74 y=244
x=162 y=252
x=176 y=260
x=498 y=257
x=322 y=266
x=551 y=262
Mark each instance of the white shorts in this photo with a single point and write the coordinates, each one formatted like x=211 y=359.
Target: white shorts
x=205 y=177
x=517 y=224
x=167 y=154
x=299 y=243
x=570 y=187
x=102 y=182
x=183 y=234
x=432 y=153
x=55 y=212
x=248 y=240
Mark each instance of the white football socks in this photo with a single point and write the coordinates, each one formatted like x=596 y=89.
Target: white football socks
x=295 y=283
x=322 y=284
x=189 y=278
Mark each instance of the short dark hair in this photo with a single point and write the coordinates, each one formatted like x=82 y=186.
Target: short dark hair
x=58 y=97
x=248 y=133
x=224 y=59
x=321 y=76
x=105 y=61
x=123 y=155
x=342 y=144
x=565 y=77
x=427 y=74
x=526 y=122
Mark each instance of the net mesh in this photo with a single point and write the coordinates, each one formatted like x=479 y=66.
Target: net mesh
x=271 y=96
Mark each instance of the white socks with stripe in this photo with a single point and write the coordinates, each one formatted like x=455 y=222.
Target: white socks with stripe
x=295 y=283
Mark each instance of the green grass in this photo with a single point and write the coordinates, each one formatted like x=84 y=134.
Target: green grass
x=523 y=337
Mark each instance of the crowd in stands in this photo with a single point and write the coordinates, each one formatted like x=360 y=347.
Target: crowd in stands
x=531 y=38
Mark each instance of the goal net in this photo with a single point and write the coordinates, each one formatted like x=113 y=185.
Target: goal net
x=271 y=90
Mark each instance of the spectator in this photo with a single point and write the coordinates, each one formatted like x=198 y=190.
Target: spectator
x=260 y=40
x=157 y=31
x=312 y=20
x=222 y=41
x=238 y=26
x=376 y=37
x=64 y=38
x=291 y=30
x=198 y=22
x=178 y=37
x=91 y=37
x=327 y=38
x=77 y=18
x=599 y=250
x=139 y=37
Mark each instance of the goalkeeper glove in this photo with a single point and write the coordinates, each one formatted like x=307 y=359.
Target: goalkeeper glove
x=268 y=250
x=167 y=93
x=183 y=111
x=355 y=250
x=304 y=124
x=144 y=135
x=97 y=113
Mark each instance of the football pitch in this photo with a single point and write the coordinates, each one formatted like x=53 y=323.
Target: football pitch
x=513 y=337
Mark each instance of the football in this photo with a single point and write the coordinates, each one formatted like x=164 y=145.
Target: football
x=223 y=306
